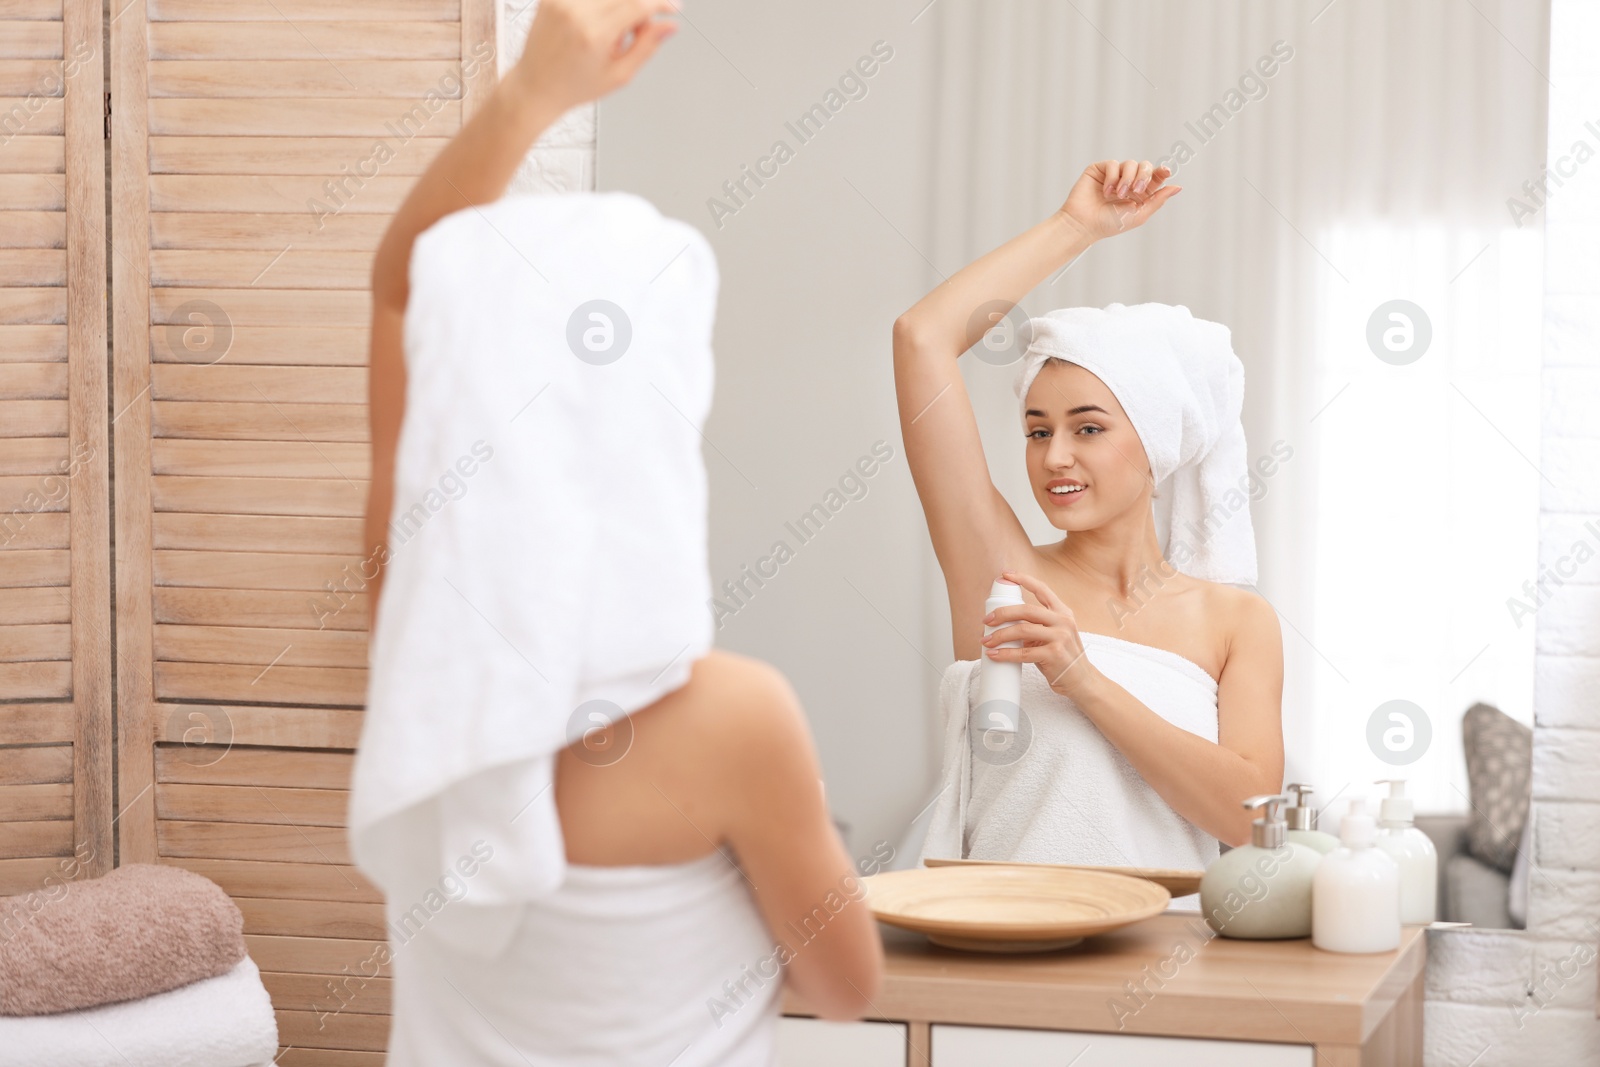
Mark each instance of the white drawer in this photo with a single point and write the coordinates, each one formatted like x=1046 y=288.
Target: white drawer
x=823 y=1043
x=985 y=1046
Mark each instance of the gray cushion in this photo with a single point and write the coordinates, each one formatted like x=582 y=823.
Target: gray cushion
x=1499 y=752
x=1475 y=893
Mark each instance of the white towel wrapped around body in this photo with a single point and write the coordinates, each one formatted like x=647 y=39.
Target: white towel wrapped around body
x=561 y=580
x=1182 y=387
x=225 y=1021
x=1065 y=794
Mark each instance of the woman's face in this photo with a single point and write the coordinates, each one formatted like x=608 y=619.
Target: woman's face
x=1078 y=435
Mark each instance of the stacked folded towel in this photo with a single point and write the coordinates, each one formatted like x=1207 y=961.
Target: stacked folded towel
x=225 y=1021
x=146 y=965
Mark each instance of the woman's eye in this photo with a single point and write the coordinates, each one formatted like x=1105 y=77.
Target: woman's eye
x=1036 y=433
x=1091 y=426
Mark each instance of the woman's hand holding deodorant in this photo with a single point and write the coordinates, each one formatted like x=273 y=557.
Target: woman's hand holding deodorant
x=1045 y=634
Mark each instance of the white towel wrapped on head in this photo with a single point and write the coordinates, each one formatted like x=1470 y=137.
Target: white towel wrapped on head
x=558 y=360
x=1182 y=387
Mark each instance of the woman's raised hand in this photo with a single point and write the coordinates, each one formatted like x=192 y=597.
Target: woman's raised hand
x=1110 y=197
x=580 y=50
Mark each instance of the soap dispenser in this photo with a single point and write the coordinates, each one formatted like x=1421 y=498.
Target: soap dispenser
x=1000 y=684
x=1412 y=851
x=1355 y=895
x=1301 y=820
x=1261 y=890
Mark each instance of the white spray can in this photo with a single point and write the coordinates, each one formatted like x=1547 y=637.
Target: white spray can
x=1000 y=684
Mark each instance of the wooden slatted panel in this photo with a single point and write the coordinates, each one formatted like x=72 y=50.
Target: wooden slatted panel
x=55 y=650
x=261 y=147
x=35 y=651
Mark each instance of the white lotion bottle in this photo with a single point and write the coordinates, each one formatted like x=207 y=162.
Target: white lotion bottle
x=1355 y=894
x=1301 y=820
x=1412 y=851
x=1000 y=684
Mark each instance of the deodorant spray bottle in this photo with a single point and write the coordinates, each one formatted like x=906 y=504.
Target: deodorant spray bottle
x=1000 y=684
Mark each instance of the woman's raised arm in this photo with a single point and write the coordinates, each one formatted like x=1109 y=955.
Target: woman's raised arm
x=577 y=51
x=975 y=533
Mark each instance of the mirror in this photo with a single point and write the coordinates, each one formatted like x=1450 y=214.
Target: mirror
x=1364 y=189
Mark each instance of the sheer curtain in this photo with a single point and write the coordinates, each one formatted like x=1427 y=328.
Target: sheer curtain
x=1335 y=157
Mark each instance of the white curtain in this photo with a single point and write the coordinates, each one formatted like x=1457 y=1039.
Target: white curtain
x=1375 y=163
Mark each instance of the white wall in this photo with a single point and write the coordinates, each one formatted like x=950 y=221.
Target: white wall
x=1512 y=997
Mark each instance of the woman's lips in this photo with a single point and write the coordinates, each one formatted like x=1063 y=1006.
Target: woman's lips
x=1061 y=500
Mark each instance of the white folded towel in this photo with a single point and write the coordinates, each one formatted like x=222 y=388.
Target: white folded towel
x=1064 y=794
x=226 y=1021
x=1182 y=387
x=568 y=580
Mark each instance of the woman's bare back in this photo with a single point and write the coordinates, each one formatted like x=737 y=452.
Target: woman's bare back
x=728 y=760
x=652 y=788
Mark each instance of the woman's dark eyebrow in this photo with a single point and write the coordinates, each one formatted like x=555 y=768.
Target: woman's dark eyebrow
x=1079 y=410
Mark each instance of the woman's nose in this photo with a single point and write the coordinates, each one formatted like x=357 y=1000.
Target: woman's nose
x=1060 y=454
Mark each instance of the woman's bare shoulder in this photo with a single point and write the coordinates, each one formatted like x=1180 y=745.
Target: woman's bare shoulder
x=723 y=684
x=1247 y=618
x=687 y=768
x=735 y=705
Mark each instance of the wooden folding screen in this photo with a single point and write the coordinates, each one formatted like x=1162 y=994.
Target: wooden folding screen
x=259 y=147
x=56 y=804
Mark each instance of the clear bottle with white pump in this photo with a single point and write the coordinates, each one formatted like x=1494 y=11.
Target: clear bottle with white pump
x=1301 y=820
x=1412 y=851
x=1000 y=684
x=1355 y=895
x=1261 y=890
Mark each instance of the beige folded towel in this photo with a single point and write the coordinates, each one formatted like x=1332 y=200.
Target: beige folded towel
x=144 y=928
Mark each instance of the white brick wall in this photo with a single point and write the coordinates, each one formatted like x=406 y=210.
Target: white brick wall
x=1529 y=997
x=563 y=159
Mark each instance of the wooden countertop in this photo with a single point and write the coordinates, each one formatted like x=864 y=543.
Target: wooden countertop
x=1167 y=975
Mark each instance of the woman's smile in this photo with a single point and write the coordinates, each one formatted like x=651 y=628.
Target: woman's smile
x=1063 y=491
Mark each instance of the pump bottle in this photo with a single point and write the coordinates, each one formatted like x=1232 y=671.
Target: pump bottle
x=1412 y=851
x=1355 y=895
x=1302 y=821
x=1261 y=890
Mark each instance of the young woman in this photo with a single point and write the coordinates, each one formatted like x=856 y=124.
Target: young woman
x=1106 y=577
x=725 y=760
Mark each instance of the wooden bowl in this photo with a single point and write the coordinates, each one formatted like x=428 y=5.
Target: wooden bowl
x=1002 y=908
x=1178 y=881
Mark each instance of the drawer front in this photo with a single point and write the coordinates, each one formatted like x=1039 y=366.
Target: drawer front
x=822 y=1043
x=985 y=1046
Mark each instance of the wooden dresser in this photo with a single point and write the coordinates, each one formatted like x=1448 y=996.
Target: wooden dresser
x=1163 y=991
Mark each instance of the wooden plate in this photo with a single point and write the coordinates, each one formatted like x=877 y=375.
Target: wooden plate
x=992 y=907
x=1178 y=881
